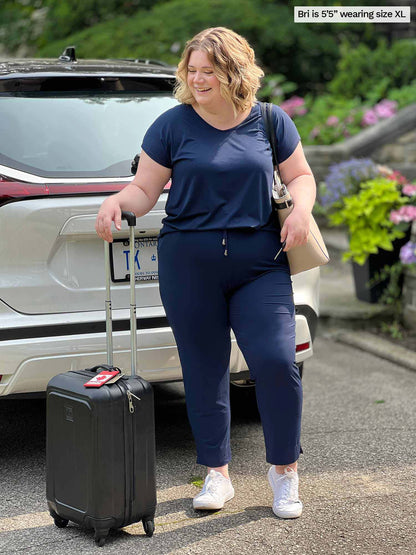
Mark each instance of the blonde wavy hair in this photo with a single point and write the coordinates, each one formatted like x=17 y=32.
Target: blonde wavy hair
x=234 y=66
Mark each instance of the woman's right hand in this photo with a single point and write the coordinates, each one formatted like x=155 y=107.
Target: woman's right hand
x=109 y=212
x=139 y=196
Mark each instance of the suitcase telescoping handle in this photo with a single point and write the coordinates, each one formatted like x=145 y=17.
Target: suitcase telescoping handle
x=131 y=220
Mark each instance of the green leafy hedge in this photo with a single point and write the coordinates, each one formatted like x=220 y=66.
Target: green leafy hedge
x=363 y=70
x=305 y=54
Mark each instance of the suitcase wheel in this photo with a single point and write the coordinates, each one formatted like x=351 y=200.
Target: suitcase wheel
x=149 y=527
x=100 y=542
x=100 y=538
x=60 y=522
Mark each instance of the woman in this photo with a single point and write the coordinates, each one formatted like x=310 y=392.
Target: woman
x=216 y=254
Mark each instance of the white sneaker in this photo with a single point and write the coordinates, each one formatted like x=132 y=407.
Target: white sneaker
x=286 y=503
x=216 y=491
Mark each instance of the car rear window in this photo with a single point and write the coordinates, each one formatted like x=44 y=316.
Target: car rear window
x=76 y=134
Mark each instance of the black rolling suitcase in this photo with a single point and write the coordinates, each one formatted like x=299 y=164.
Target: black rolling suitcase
x=100 y=441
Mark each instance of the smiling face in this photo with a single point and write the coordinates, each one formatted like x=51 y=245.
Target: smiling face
x=202 y=80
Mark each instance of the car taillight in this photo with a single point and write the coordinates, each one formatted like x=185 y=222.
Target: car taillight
x=10 y=190
x=302 y=347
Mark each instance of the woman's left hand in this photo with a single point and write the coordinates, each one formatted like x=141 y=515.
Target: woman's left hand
x=295 y=230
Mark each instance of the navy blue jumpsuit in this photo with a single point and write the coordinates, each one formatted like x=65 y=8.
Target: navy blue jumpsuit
x=217 y=272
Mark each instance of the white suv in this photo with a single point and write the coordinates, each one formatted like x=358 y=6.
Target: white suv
x=68 y=132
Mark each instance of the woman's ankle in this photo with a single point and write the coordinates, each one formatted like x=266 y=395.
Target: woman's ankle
x=280 y=468
x=221 y=469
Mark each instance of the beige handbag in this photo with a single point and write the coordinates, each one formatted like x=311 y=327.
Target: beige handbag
x=313 y=253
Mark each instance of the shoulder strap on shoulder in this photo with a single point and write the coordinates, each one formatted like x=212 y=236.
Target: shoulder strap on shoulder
x=266 y=112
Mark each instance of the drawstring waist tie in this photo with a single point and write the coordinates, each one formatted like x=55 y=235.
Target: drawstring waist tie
x=225 y=242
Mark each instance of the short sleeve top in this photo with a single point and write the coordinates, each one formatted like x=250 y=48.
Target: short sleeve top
x=221 y=179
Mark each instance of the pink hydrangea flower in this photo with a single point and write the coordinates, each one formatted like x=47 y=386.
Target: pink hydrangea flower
x=404 y=214
x=390 y=104
x=332 y=121
x=369 y=118
x=384 y=110
x=296 y=101
x=409 y=190
x=398 y=177
x=314 y=133
x=294 y=106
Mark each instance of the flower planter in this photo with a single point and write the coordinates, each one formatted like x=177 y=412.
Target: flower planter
x=367 y=272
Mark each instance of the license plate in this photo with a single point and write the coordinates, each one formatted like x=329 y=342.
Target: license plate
x=145 y=259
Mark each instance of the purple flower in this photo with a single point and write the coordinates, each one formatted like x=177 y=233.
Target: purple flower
x=332 y=121
x=369 y=118
x=408 y=253
x=314 y=133
x=345 y=178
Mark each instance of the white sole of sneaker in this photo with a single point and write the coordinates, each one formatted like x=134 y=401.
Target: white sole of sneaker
x=291 y=514
x=201 y=506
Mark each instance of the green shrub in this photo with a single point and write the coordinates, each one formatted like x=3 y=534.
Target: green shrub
x=305 y=54
x=404 y=96
x=67 y=16
x=275 y=87
x=331 y=119
x=370 y=74
x=319 y=125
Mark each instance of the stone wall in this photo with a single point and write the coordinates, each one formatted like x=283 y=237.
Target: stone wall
x=391 y=142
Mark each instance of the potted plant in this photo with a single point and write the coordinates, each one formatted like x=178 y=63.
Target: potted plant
x=364 y=197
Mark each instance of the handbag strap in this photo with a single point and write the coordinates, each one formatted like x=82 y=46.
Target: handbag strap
x=266 y=112
x=267 y=115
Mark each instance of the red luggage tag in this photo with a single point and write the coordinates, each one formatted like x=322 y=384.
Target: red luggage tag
x=102 y=378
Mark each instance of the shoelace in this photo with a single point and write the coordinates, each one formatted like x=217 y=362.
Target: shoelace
x=288 y=487
x=212 y=484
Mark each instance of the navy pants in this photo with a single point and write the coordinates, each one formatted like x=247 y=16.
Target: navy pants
x=211 y=281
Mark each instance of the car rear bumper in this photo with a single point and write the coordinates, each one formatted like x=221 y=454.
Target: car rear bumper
x=30 y=355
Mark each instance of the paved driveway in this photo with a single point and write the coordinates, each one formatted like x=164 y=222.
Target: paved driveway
x=358 y=473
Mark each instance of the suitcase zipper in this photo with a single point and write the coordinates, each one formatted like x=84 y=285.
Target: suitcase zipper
x=131 y=446
x=129 y=397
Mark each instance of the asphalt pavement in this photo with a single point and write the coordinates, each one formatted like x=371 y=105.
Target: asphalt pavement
x=357 y=474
